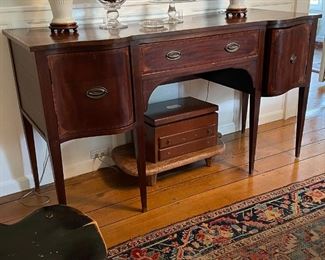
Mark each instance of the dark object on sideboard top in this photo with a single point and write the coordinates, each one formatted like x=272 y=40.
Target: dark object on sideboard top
x=63 y=28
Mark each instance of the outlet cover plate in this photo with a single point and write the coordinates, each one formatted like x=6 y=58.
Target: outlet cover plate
x=94 y=154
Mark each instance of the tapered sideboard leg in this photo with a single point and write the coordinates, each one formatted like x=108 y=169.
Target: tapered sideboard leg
x=141 y=162
x=28 y=129
x=55 y=152
x=244 y=106
x=255 y=101
x=302 y=106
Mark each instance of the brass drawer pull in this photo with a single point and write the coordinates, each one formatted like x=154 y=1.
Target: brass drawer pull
x=293 y=58
x=97 y=93
x=232 y=47
x=173 y=55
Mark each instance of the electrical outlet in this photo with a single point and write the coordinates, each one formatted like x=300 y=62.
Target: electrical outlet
x=95 y=154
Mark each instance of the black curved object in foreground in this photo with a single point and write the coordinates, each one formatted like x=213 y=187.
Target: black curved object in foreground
x=53 y=232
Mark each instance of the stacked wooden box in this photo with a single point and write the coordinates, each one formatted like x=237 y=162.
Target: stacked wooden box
x=180 y=126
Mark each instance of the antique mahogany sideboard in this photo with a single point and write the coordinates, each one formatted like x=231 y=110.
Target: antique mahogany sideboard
x=97 y=82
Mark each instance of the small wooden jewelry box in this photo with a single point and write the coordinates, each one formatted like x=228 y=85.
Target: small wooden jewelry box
x=179 y=126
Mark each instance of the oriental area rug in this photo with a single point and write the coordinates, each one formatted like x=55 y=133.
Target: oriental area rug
x=288 y=223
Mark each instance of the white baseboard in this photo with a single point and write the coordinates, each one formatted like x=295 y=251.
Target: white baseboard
x=87 y=166
x=16 y=185
x=267 y=117
x=270 y=117
x=227 y=128
x=27 y=182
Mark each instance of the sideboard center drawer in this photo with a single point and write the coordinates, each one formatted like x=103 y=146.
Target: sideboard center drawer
x=204 y=50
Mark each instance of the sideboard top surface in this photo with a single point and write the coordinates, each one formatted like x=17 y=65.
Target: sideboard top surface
x=36 y=39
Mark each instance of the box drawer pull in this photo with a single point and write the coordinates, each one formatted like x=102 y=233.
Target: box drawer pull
x=173 y=55
x=232 y=47
x=97 y=93
x=293 y=58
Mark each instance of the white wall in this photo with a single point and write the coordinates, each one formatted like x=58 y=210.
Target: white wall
x=15 y=172
x=319 y=8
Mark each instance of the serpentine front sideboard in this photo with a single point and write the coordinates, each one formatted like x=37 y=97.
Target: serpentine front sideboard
x=96 y=82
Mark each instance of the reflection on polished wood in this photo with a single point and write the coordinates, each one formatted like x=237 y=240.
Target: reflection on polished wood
x=112 y=199
x=38 y=38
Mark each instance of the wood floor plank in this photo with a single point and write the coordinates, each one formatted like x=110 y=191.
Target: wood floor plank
x=212 y=199
x=208 y=180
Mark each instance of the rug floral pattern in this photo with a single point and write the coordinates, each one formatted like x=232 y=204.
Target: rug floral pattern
x=288 y=223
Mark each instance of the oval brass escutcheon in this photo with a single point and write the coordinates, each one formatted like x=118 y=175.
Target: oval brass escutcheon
x=173 y=55
x=97 y=93
x=232 y=47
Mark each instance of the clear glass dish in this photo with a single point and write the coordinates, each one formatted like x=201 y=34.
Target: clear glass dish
x=152 y=23
x=174 y=16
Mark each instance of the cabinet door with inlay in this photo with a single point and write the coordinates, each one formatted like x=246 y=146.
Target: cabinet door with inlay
x=92 y=92
x=287 y=55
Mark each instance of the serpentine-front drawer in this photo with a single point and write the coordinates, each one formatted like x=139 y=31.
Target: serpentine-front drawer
x=287 y=55
x=91 y=91
x=177 y=54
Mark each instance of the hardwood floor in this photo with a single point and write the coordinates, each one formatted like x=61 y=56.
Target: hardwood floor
x=112 y=198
